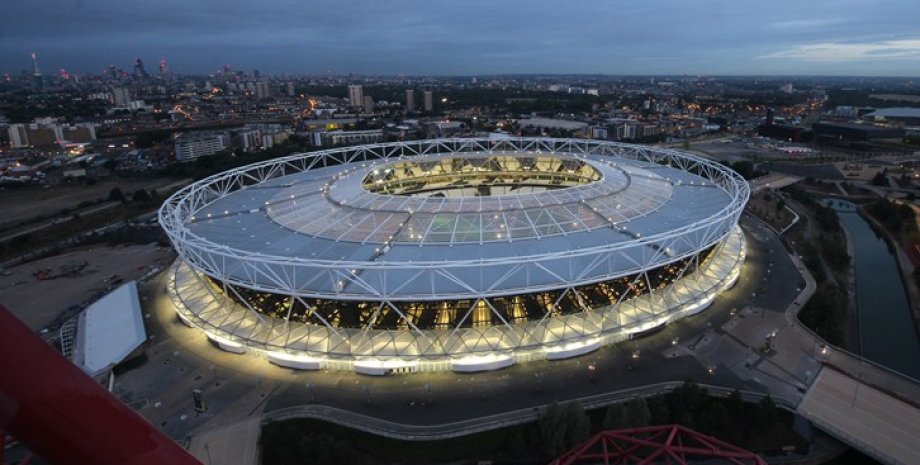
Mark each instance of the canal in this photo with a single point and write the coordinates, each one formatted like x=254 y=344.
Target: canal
x=886 y=327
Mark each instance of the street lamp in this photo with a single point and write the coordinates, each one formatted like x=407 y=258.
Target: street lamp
x=198 y=401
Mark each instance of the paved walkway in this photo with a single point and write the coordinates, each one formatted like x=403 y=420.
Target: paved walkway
x=235 y=444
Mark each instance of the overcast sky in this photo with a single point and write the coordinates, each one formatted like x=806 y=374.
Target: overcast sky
x=839 y=37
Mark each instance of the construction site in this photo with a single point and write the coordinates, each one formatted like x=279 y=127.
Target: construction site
x=54 y=289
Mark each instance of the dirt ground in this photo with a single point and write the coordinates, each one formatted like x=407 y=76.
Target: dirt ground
x=23 y=204
x=37 y=303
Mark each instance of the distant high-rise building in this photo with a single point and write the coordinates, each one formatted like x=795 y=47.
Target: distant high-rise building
x=263 y=91
x=121 y=96
x=429 y=100
x=410 y=101
x=355 y=95
x=139 y=71
x=289 y=86
x=368 y=104
x=36 y=73
x=164 y=67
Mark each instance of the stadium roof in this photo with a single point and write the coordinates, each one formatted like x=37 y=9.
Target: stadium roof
x=326 y=214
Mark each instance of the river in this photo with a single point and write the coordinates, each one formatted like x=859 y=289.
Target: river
x=886 y=327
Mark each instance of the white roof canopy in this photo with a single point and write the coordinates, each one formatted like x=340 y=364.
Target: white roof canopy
x=109 y=330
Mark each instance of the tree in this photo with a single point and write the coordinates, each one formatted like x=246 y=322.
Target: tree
x=150 y=139
x=735 y=404
x=562 y=427
x=116 y=195
x=552 y=430
x=616 y=417
x=719 y=416
x=658 y=407
x=827 y=218
x=780 y=204
x=578 y=425
x=880 y=179
x=517 y=443
x=141 y=195
x=638 y=413
x=744 y=168
x=767 y=414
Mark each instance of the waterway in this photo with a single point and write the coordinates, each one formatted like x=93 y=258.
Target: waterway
x=886 y=327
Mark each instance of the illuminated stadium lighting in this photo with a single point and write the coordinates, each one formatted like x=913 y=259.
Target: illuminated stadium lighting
x=452 y=254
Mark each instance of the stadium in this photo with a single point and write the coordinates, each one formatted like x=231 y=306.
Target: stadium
x=451 y=254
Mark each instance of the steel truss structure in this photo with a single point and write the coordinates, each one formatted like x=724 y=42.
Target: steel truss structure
x=667 y=444
x=312 y=228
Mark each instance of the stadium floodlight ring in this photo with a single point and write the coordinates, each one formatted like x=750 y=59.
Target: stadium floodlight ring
x=462 y=254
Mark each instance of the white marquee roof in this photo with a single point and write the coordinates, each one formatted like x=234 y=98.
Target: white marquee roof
x=110 y=329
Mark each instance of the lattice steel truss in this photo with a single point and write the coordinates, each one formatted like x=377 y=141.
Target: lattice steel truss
x=217 y=306
x=666 y=444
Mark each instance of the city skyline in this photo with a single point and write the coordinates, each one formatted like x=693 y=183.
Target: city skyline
x=478 y=38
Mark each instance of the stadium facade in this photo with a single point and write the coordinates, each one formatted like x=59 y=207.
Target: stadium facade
x=452 y=254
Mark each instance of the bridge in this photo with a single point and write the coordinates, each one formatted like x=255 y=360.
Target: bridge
x=866 y=406
x=861 y=403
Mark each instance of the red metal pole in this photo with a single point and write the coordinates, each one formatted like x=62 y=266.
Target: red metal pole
x=65 y=417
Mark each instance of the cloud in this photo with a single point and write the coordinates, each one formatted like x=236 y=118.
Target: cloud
x=809 y=24
x=847 y=52
x=468 y=37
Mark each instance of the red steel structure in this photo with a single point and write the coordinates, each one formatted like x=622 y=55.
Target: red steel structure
x=65 y=417
x=666 y=444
